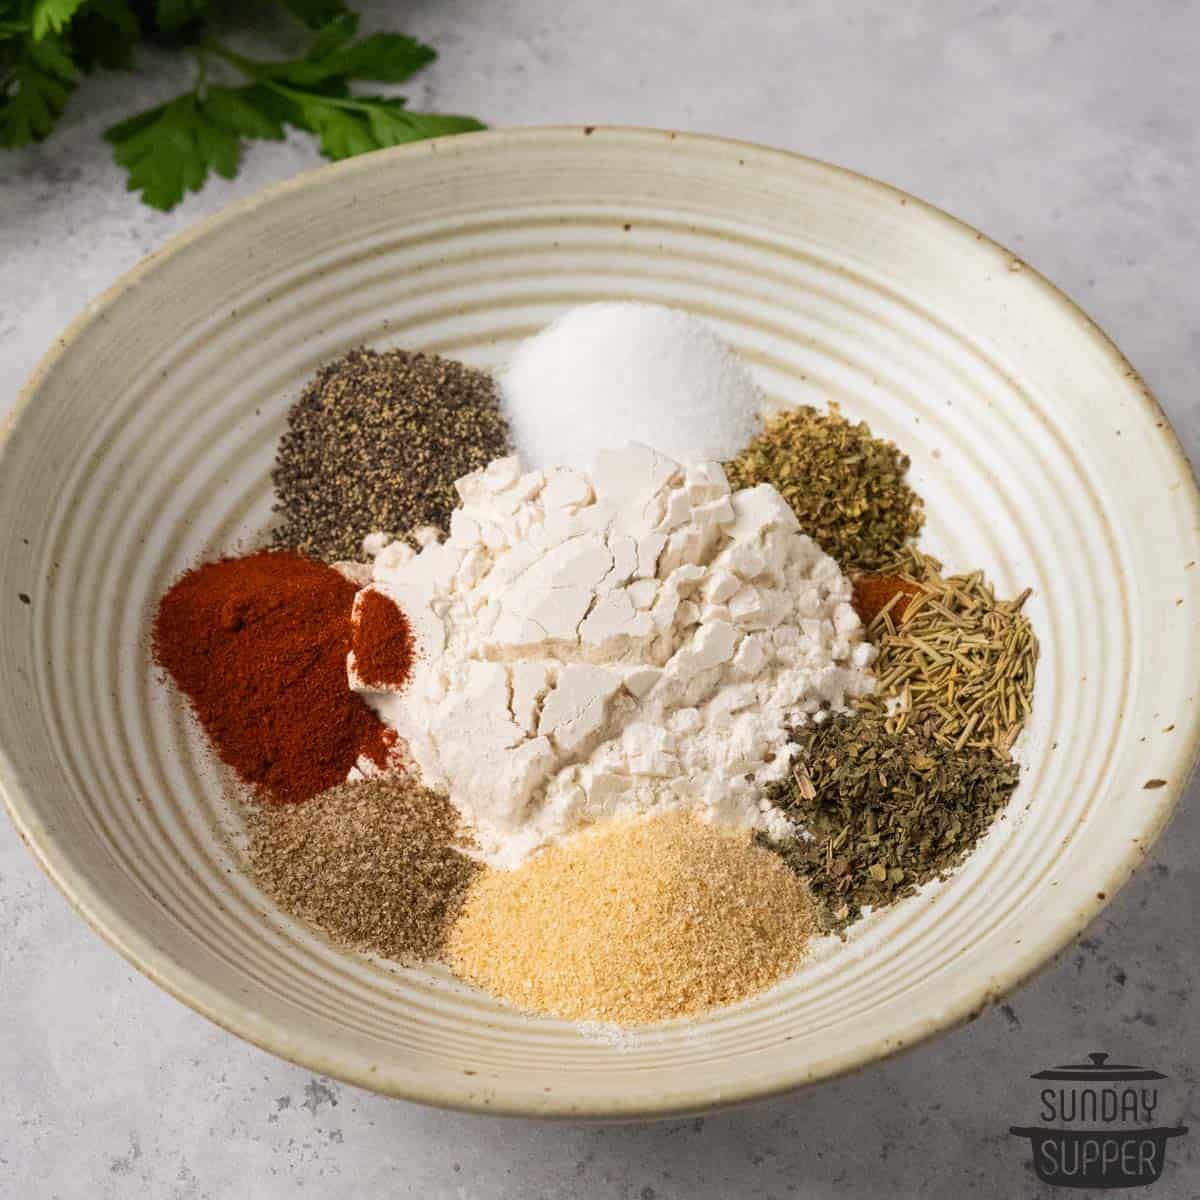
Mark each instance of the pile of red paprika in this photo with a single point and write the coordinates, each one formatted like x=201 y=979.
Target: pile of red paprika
x=259 y=646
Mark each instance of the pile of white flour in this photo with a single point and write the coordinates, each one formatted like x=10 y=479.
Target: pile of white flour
x=597 y=644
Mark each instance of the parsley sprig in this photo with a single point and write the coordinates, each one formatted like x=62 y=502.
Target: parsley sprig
x=47 y=45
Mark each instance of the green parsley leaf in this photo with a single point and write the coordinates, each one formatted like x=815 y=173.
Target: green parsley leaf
x=316 y=14
x=333 y=34
x=50 y=56
x=53 y=16
x=347 y=126
x=250 y=112
x=393 y=124
x=170 y=150
x=34 y=92
x=161 y=152
x=104 y=34
x=173 y=149
x=382 y=57
x=341 y=132
x=173 y=16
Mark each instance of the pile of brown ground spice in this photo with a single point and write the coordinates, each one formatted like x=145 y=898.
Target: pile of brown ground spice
x=375 y=443
x=373 y=864
x=874 y=594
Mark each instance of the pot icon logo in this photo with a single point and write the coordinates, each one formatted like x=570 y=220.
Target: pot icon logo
x=1102 y=1126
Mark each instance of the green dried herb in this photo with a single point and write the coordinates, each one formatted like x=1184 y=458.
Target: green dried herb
x=957 y=658
x=887 y=809
x=846 y=487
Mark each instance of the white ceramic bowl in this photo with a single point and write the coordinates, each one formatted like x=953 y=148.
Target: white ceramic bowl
x=143 y=443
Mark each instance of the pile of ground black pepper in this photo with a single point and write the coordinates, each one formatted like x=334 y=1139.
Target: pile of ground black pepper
x=375 y=443
x=374 y=864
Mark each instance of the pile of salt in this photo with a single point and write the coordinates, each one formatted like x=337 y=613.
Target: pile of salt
x=605 y=375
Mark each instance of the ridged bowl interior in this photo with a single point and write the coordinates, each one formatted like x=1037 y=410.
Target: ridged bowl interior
x=145 y=441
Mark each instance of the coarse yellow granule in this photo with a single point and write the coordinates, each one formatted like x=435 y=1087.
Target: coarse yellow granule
x=635 y=921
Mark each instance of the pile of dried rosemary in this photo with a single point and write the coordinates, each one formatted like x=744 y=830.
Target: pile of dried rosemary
x=957 y=658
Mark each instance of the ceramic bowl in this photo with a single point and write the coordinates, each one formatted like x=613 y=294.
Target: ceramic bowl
x=144 y=440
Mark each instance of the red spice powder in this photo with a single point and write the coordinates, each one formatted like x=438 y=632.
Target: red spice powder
x=382 y=641
x=258 y=645
x=872 y=592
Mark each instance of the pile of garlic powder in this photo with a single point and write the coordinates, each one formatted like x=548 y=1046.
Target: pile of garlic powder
x=594 y=645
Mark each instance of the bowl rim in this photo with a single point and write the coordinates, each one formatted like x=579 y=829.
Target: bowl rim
x=229 y=1013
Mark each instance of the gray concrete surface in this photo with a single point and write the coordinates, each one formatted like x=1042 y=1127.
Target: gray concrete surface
x=1068 y=130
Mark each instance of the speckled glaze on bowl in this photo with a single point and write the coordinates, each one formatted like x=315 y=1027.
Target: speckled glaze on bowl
x=143 y=443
